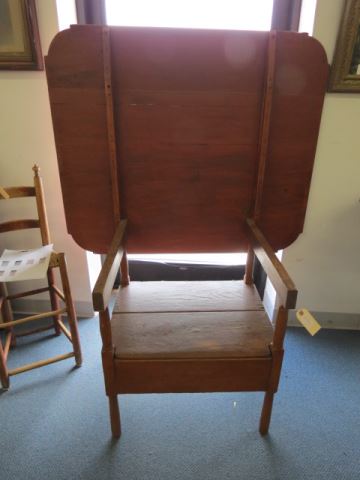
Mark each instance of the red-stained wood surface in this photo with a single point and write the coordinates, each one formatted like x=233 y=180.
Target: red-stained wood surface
x=187 y=118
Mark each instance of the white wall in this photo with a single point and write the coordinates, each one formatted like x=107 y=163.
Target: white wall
x=26 y=137
x=325 y=260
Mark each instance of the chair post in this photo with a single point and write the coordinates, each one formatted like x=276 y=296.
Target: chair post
x=54 y=300
x=248 y=278
x=6 y=308
x=70 y=310
x=6 y=311
x=124 y=270
x=107 y=354
x=41 y=208
x=280 y=329
x=46 y=240
x=277 y=352
x=4 y=375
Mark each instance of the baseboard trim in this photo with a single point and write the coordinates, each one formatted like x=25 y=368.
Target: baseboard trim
x=340 y=321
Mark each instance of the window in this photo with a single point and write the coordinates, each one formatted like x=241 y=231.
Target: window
x=220 y=14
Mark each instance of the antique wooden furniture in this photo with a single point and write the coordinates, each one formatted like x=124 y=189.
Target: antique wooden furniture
x=57 y=260
x=187 y=141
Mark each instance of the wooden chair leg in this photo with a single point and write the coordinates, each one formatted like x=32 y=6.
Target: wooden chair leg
x=114 y=416
x=4 y=375
x=6 y=312
x=266 y=413
x=70 y=310
x=124 y=270
x=277 y=351
x=107 y=355
x=54 y=300
x=248 y=278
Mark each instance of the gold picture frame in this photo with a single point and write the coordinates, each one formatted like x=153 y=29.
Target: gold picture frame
x=19 y=36
x=345 y=70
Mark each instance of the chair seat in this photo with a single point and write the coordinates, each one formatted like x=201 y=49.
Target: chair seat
x=190 y=320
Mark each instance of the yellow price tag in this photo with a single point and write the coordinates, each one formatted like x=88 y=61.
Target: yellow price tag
x=308 y=321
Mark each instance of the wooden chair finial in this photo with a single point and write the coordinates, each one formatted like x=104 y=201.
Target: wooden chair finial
x=36 y=170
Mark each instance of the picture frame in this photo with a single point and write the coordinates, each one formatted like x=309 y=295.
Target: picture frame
x=20 y=47
x=345 y=70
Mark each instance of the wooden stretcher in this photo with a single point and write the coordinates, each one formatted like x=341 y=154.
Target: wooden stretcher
x=175 y=140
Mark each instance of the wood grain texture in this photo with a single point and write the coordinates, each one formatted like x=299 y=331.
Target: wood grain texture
x=179 y=376
x=54 y=299
x=197 y=296
x=249 y=267
x=265 y=122
x=190 y=126
x=31 y=318
x=114 y=416
x=187 y=116
x=300 y=83
x=79 y=115
x=105 y=282
x=4 y=374
x=110 y=122
x=16 y=192
x=8 y=341
x=266 y=413
x=107 y=352
x=27 y=293
x=14 y=225
x=70 y=309
x=41 y=208
x=280 y=329
x=276 y=272
x=191 y=335
x=124 y=270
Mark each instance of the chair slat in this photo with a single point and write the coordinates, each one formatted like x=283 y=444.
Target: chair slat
x=16 y=192
x=41 y=363
x=19 y=225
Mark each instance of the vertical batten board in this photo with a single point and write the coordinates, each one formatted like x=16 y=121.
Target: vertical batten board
x=108 y=89
x=265 y=123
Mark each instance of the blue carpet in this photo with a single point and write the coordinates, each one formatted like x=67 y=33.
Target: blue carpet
x=54 y=420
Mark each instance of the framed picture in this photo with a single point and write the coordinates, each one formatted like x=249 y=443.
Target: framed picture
x=19 y=36
x=345 y=70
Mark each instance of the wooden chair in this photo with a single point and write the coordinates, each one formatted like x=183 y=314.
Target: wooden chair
x=187 y=141
x=57 y=260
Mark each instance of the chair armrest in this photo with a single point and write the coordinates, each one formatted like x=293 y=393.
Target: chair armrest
x=274 y=269
x=105 y=282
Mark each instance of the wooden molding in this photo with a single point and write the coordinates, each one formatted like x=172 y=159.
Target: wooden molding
x=348 y=40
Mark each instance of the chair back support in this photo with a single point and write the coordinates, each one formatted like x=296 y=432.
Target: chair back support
x=37 y=191
x=185 y=133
